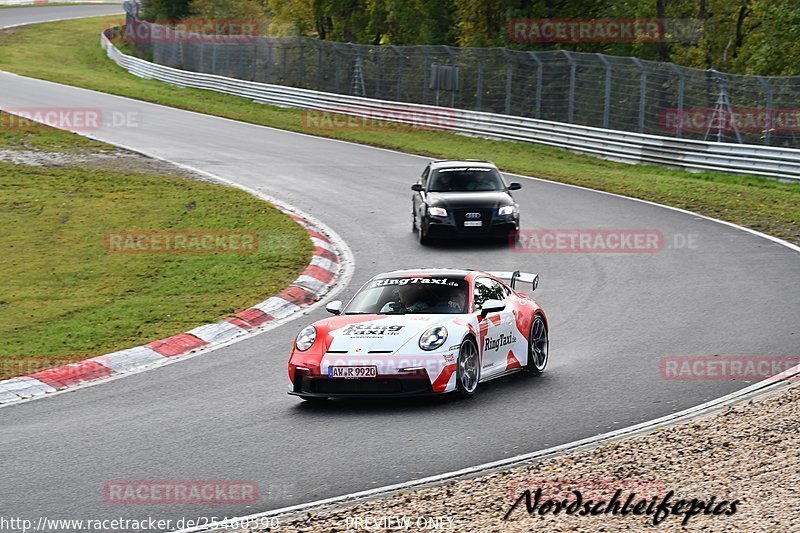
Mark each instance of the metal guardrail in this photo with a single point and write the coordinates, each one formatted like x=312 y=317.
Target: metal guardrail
x=615 y=145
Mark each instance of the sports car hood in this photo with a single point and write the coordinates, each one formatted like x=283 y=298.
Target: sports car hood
x=483 y=199
x=364 y=334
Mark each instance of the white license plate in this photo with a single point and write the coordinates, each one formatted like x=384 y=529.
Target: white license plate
x=351 y=372
x=473 y=223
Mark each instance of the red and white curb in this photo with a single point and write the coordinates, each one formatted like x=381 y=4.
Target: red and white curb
x=327 y=268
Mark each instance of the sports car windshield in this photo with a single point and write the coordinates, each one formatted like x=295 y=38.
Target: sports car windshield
x=401 y=296
x=463 y=179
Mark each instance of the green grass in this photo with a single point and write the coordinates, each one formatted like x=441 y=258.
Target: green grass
x=68 y=52
x=64 y=297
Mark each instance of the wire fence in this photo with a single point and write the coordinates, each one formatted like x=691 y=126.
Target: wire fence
x=611 y=92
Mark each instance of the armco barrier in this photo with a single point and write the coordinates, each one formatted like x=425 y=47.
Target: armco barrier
x=615 y=145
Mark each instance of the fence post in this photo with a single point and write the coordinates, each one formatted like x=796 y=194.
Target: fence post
x=399 y=57
x=302 y=65
x=571 y=96
x=479 y=86
x=319 y=66
x=426 y=72
x=538 y=83
x=642 y=92
x=509 y=79
x=378 y=73
x=284 y=61
x=269 y=63
x=681 y=91
x=451 y=63
x=770 y=91
x=607 y=95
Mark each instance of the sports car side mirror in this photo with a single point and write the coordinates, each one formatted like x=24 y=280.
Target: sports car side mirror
x=334 y=307
x=417 y=187
x=492 y=306
x=514 y=186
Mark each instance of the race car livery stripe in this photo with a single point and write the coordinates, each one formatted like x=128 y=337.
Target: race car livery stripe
x=512 y=361
x=443 y=379
x=308 y=288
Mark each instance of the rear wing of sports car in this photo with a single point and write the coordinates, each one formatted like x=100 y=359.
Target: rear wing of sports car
x=533 y=279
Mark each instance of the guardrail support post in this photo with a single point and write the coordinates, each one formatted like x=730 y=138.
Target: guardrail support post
x=642 y=92
x=572 y=72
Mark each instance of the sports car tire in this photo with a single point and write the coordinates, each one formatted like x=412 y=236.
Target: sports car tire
x=538 y=346
x=468 y=368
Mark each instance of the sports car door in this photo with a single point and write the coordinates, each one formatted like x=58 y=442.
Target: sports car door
x=497 y=335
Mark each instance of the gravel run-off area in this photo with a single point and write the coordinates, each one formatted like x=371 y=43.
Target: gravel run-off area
x=746 y=453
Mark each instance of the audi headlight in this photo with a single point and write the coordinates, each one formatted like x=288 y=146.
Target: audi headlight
x=306 y=338
x=437 y=212
x=507 y=210
x=433 y=338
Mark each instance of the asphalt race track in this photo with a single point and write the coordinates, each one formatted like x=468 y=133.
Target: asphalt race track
x=226 y=415
x=23 y=15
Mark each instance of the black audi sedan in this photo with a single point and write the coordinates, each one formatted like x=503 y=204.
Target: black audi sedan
x=464 y=199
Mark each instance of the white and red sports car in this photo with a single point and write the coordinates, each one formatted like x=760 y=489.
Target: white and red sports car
x=416 y=332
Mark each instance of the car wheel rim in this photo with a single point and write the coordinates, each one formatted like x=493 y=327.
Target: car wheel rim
x=468 y=363
x=539 y=344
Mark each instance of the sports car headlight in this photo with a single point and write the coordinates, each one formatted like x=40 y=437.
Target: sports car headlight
x=433 y=338
x=306 y=338
x=507 y=210
x=437 y=211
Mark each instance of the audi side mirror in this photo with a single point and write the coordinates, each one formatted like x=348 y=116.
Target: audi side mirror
x=334 y=307
x=417 y=187
x=492 y=306
x=514 y=186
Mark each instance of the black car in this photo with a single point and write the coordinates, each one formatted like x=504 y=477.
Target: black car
x=464 y=199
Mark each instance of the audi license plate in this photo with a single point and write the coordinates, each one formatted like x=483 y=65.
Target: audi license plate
x=352 y=371
x=472 y=223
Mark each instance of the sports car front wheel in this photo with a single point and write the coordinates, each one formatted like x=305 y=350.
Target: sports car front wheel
x=538 y=346
x=468 y=368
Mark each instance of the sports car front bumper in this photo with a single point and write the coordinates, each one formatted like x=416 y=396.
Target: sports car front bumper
x=394 y=385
